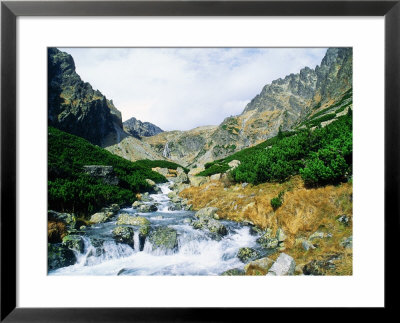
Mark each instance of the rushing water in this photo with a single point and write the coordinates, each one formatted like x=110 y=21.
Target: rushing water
x=198 y=252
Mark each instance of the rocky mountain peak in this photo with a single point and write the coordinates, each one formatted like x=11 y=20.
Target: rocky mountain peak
x=140 y=129
x=74 y=106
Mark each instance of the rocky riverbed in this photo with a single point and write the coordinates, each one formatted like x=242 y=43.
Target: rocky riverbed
x=161 y=235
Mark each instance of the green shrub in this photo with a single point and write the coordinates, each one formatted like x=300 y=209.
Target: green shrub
x=70 y=189
x=214 y=169
x=147 y=163
x=321 y=156
x=276 y=202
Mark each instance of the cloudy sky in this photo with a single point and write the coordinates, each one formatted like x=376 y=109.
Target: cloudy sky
x=182 y=88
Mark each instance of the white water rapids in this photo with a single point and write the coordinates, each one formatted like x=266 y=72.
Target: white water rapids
x=198 y=252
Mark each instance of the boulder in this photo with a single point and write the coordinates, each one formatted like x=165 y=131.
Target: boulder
x=320 y=267
x=136 y=204
x=176 y=199
x=181 y=176
x=280 y=235
x=298 y=271
x=98 y=249
x=307 y=245
x=207 y=212
x=234 y=163
x=207 y=223
x=59 y=256
x=127 y=219
x=164 y=238
x=147 y=208
x=247 y=254
x=344 y=219
x=283 y=266
x=197 y=180
x=215 y=226
x=74 y=242
x=123 y=235
x=100 y=217
x=233 y=272
x=196 y=170
x=347 y=242
x=319 y=235
x=268 y=242
x=175 y=207
x=215 y=177
x=150 y=182
x=162 y=171
x=67 y=218
x=114 y=207
x=146 y=197
x=179 y=187
x=106 y=173
x=258 y=266
x=171 y=195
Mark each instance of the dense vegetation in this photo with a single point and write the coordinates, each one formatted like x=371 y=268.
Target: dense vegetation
x=321 y=156
x=71 y=189
x=160 y=163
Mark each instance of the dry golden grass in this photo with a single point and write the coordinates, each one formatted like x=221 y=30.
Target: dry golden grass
x=56 y=231
x=303 y=212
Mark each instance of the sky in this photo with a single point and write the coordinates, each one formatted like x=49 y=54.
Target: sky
x=183 y=88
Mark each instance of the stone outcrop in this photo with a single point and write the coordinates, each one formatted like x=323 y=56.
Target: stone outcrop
x=139 y=129
x=258 y=266
x=207 y=221
x=123 y=235
x=106 y=173
x=164 y=238
x=247 y=254
x=283 y=266
x=59 y=256
x=74 y=106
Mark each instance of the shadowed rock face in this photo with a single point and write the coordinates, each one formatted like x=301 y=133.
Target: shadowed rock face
x=73 y=105
x=140 y=129
x=106 y=173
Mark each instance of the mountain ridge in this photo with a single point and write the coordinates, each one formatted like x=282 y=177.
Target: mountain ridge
x=140 y=129
x=283 y=104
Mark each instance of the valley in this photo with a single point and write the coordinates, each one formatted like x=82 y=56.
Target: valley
x=266 y=192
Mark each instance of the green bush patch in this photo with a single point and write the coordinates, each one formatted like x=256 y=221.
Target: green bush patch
x=70 y=189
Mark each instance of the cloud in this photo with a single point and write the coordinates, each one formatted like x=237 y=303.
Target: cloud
x=182 y=88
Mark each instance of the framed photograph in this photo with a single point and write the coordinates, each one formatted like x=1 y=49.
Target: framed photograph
x=172 y=160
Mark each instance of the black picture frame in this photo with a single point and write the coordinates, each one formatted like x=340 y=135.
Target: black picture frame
x=10 y=10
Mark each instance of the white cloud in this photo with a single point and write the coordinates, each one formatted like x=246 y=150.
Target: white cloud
x=182 y=88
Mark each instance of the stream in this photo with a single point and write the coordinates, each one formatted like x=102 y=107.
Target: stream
x=198 y=252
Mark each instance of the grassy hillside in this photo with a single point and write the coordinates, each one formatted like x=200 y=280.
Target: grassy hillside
x=322 y=156
x=303 y=212
x=70 y=189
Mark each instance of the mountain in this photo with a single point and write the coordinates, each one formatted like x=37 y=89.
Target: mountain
x=284 y=104
x=139 y=129
x=74 y=106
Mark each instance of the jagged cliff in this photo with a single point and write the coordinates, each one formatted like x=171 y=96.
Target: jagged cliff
x=139 y=129
x=285 y=104
x=74 y=106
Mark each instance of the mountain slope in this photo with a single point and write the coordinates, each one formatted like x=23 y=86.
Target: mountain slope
x=139 y=129
x=74 y=106
x=284 y=104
